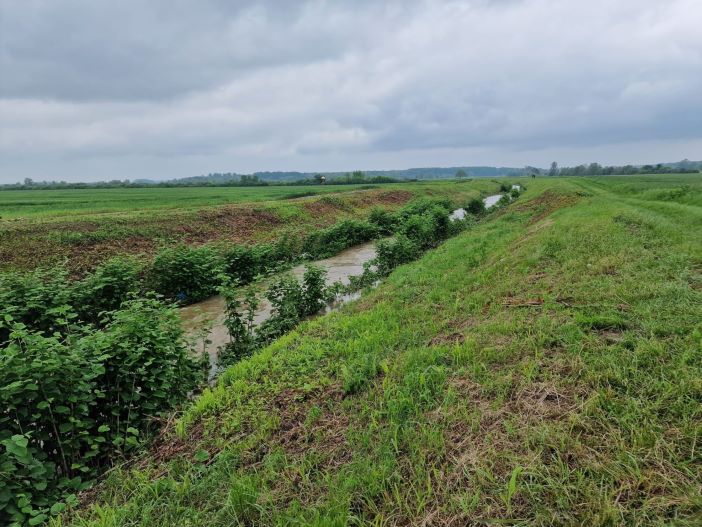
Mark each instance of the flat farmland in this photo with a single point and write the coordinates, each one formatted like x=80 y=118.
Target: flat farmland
x=87 y=226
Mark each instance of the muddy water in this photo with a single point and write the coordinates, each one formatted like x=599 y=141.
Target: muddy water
x=210 y=312
x=205 y=320
x=490 y=201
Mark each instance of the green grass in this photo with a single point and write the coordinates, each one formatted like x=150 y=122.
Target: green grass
x=85 y=227
x=81 y=202
x=543 y=368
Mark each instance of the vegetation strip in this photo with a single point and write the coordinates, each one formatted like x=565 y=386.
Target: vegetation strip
x=88 y=365
x=546 y=358
x=429 y=401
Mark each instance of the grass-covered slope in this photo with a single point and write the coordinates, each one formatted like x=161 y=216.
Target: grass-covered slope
x=543 y=368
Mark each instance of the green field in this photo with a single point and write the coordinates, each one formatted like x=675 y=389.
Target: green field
x=86 y=227
x=542 y=368
x=81 y=202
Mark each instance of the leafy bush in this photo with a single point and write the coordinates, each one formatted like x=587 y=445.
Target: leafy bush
x=385 y=221
x=514 y=193
x=40 y=299
x=441 y=222
x=421 y=230
x=68 y=404
x=420 y=206
x=285 y=296
x=244 y=263
x=187 y=274
x=148 y=368
x=506 y=199
x=48 y=392
x=504 y=187
x=241 y=264
x=394 y=252
x=106 y=288
x=458 y=226
x=347 y=233
x=476 y=207
x=313 y=291
x=292 y=301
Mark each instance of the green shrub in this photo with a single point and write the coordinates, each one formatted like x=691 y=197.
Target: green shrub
x=514 y=193
x=241 y=264
x=421 y=230
x=504 y=187
x=106 y=288
x=476 y=207
x=313 y=291
x=420 y=206
x=239 y=321
x=385 y=221
x=292 y=301
x=40 y=299
x=187 y=274
x=506 y=199
x=148 y=368
x=69 y=404
x=394 y=252
x=441 y=222
x=345 y=234
x=50 y=440
x=285 y=296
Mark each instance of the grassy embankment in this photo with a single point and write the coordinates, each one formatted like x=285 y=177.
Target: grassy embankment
x=86 y=227
x=543 y=368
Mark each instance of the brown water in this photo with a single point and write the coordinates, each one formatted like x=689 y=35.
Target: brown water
x=210 y=313
x=204 y=321
x=490 y=201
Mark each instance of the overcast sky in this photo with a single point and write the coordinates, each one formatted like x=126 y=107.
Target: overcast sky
x=93 y=89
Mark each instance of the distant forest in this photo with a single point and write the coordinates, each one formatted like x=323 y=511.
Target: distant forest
x=232 y=179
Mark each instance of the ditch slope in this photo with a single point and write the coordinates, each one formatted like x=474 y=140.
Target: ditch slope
x=543 y=368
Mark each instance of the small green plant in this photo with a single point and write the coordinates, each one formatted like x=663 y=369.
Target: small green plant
x=505 y=200
x=314 y=291
x=239 y=321
x=40 y=299
x=292 y=301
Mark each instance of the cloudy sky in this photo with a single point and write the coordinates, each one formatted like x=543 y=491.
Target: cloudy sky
x=93 y=89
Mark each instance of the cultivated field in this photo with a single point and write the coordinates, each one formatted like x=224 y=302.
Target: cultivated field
x=87 y=202
x=542 y=368
x=86 y=227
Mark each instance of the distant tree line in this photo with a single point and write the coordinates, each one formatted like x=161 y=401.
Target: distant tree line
x=262 y=179
x=595 y=169
x=211 y=180
x=350 y=178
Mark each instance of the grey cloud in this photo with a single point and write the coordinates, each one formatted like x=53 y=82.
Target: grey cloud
x=306 y=85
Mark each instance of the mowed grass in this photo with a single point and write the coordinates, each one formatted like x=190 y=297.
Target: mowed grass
x=544 y=368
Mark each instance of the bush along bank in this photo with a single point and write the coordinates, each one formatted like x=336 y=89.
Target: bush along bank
x=183 y=274
x=419 y=228
x=76 y=398
x=87 y=367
